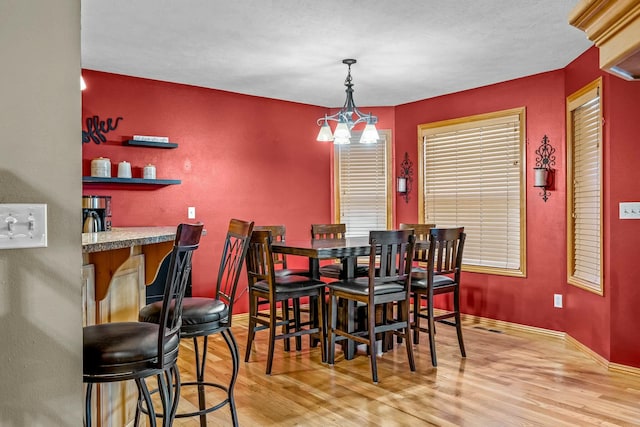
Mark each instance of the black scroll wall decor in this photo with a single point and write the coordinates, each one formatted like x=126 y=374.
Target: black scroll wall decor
x=96 y=129
x=543 y=173
x=405 y=178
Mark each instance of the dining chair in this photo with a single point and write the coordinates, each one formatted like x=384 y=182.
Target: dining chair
x=334 y=232
x=388 y=283
x=278 y=234
x=121 y=351
x=203 y=317
x=263 y=286
x=442 y=276
x=421 y=232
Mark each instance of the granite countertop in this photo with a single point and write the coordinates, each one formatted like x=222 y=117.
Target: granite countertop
x=125 y=237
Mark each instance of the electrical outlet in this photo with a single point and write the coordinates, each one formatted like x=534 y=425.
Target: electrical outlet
x=557 y=300
x=191 y=212
x=23 y=225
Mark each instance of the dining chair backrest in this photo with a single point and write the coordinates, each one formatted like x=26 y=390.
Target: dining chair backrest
x=445 y=251
x=328 y=231
x=391 y=255
x=278 y=234
x=186 y=241
x=236 y=244
x=260 y=259
x=422 y=235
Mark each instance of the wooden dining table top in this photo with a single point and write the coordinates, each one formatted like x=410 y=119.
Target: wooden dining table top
x=324 y=249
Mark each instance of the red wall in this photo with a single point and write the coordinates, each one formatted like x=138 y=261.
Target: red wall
x=257 y=159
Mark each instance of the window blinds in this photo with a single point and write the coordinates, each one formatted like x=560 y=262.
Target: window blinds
x=586 y=211
x=472 y=177
x=362 y=180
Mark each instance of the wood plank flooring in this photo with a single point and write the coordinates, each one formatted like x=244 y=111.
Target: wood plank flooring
x=509 y=378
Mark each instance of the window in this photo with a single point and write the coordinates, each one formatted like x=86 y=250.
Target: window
x=584 y=188
x=471 y=175
x=363 y=185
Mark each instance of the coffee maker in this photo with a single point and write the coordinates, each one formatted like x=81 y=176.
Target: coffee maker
x=96 y=213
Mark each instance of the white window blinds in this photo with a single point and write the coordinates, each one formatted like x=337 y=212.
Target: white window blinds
x=362 y=174
x=585 y=208
x=472 y=177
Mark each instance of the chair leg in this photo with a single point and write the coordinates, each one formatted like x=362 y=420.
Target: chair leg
x=416 y=318
x=87 y=406
x=456 y=306
x=235 y=360
x=403 y=310
x=176 y=387
x=142 y=388
x=333 y=321
x=296 y=320
x=201 y=360
x=272 y=336
x=285 y=316
x=253 y=307
x=371 y=317
x=432 y=332
x=320 y=325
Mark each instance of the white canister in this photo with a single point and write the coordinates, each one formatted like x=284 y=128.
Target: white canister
x=101 y=167
x=124 y=170
x=149 y=172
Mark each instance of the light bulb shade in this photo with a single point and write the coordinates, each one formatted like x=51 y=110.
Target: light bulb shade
x=325 y=134
x=402 y=184
x=342 y=131
x=370 y=134
x=540 y=177
x=83 y=85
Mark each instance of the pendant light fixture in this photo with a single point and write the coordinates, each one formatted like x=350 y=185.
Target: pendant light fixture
x=348 y=117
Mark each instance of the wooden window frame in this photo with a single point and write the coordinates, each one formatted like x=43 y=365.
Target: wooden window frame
x=577 y=99
x=468 y=123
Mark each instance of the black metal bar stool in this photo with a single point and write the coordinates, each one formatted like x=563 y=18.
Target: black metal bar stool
x=202 y=317
x=122 y=351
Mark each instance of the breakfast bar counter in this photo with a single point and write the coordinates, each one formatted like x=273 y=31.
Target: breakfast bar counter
x=117 y=267
x=124 y=237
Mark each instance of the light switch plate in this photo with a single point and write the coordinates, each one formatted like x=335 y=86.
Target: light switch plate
x=191 y=212
x=629 y=210
x=23 y=225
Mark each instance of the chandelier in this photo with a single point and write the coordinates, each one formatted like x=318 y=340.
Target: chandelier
x=348 y=117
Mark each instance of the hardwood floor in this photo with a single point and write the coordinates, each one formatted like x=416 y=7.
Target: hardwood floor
x=509 y=378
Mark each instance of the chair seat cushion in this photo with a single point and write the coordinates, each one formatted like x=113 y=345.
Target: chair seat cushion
x=360 y=286
x=438 y=281
x=289 y=283
x=112 y=345
x=196 y=311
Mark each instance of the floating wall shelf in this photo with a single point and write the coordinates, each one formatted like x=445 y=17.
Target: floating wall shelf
x=151 y=144
x=101 y=180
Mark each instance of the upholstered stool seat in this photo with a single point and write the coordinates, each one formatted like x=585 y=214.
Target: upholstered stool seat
x=199 y=314
x=122 y=347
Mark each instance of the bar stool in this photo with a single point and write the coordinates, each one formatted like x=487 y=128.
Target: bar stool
x=121 y=351
x=202 y=317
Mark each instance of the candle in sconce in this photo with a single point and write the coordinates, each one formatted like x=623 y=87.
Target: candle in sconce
x=540 y=176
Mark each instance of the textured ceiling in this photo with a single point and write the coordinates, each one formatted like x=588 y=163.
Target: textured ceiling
x=292 y=50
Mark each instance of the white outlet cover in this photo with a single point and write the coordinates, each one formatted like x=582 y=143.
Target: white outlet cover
x=191 y=212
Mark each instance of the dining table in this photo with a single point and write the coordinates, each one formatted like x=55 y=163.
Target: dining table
x=347 y=250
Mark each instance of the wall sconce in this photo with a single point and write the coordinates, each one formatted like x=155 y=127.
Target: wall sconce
x=542 y=173
x=406 y=178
